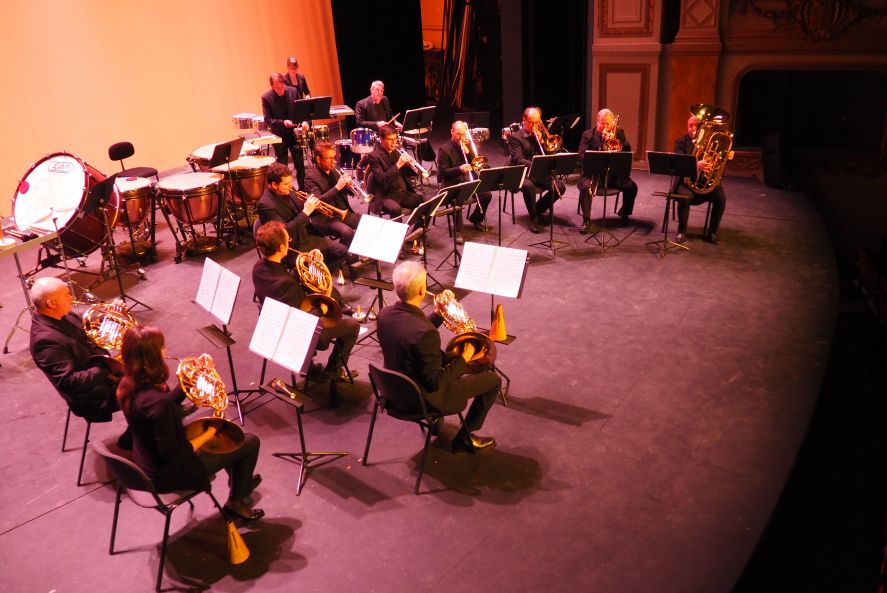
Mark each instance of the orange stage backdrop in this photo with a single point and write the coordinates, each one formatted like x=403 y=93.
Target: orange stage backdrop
x=166 y=75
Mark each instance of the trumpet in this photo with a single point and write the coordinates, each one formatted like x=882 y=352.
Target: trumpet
x=322 y=207
x=354 y=185
x=548 y=142
x=413 y=163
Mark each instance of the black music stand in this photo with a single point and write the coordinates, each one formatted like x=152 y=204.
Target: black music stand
x=224 y=154
x=474 y=119
x=675 y=166
x=552 y=166
x=455 y=196
x=502 y=179
x=417 y=127
x=601 y=166
x=564 y=123
x=311 y=109
x=423 y=214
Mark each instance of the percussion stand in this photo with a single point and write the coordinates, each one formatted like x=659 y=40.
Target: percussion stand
x=675 y=166
x=224 y=153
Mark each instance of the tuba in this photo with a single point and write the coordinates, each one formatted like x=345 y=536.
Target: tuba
x=611 y=142
x=460 y=323
x=316 y=278
x=550 y=143
x=713 y=143
x=202 y=385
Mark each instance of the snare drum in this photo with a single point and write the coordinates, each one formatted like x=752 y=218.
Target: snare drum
x=321 y=133
x=302 y=137
x=345 y=158
x=57 y=187
x=363 y=140
x=243 y=121
x=260 y=125
x=248 y=175
x=135 y=197
x=192 y=198
x=201 y=156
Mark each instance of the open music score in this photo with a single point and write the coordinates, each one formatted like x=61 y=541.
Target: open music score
x=493 y=270
x=217 y=291
x=378 y=238
x=286 y=335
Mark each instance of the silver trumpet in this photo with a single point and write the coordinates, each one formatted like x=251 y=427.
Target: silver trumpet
x=413 y=163
x=355 y=186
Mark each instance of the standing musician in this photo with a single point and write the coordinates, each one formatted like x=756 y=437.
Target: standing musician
x=410 y=344
x=605 y=136
x=523 y=145
x=717 y=197
x=454 y=166
x=279 y=202
x=277 y=107
x=388 y=179
x=160 y=446
x=62 y=350
x=374 y=111
x=272 y=279
x=292 y=78
x=325 y=182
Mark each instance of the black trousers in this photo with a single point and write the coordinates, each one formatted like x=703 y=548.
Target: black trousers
x=239 y=464
x=629 y=193
x=718 y=200
x=532 y=187
x=343 y=230
x=289 y=143
x=343 y=336
x=482 y=388
x=478 y=214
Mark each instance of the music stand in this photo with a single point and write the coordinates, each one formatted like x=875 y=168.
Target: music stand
x=417 y=127
x=502 y=179
x=424 y=213
x=456 y=196
x=551 y=166
x=223 y=154
x=474 y=119
x=564 y=123
x=675 y=166
x=601 y=165
x=311 y=109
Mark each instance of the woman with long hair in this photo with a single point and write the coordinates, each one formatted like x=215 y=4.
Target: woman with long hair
x=160 y=446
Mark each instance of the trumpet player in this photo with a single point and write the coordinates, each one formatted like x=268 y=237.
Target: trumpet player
x=454 y=166
x=279 y=202
x=329 y=186
x=717 y=197
x=389 y=176
x=523 y=145
x=606 y=135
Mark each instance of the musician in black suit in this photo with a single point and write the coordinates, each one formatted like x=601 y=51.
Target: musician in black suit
x=325 y=182
x=453 y=166
x=523 y=145
x=271 y=278
x=277 y=107
x=374 y=111
x=279 y=202
x=717 y=197
x=389 y=176
x=410 y=345
x=597 y=138
x=294 y=79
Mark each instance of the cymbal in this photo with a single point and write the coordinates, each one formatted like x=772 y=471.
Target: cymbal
x=416 y=131
x=704 y=111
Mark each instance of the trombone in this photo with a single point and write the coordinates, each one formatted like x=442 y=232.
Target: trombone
x=477 y=162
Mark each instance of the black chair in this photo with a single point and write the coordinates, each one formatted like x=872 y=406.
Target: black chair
x=85 y=442
x=401 y=398
x=705 y=225
x=141 y=491
x=124 y=150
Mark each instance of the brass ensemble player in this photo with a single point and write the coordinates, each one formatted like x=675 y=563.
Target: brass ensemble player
x=410 y=344
x=523 y=145
x=293 y=78
x=277 y=107
x=388 y=177
x=374 y=111
x=453 y=158
x=595 y=139
x=717 y=197
x=325 y=182
x=272 y=279
x=160 y=446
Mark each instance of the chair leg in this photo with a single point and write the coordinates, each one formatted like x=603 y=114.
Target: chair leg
x=65 y=436
x=422 y=461
x=512 y=208
x=168 y=514
x=366 y=451
x=83 y=454
x=114 y=522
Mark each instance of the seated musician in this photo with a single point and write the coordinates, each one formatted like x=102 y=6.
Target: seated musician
x=69 y=359
x=160 y=446
x=389 y=176
x=410 y=344
x=453 y=166
x=293 y=78
x=374 y=111
x=280 y=202
x=329 y=186
x=597 y=138
x=523 y=145
x=272 y=279
x=717 y=197
x=277 y=107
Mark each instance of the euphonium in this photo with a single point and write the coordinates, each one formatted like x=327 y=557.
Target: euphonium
x=713 y=143
x=323 y=207
x=105 y=324
x=549 y=142
x=611 y=142
x=460 y=323
x=316 y=277
x=355 y=186
x=202 y=385
x=413 y=163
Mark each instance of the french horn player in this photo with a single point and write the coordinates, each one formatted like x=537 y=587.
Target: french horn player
x=711 y=142
x=458 y=161
x=606 y=135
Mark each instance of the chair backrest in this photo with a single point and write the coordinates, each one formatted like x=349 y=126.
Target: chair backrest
x=256 y=224
x=126 y=472
x=120 y=151
x=400 y=394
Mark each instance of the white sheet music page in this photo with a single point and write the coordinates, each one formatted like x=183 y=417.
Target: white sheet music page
x=226 y=294
x=491 y=269
x=296 y=340
x=266 y=336
x=209 y=281
x=378 y=238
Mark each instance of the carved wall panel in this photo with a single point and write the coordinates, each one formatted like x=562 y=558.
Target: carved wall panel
x=625 y=18
x=625 y=90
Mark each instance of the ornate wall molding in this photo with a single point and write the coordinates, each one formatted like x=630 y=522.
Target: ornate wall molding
x=816 y=20
x=644 y=115
x=615 y=23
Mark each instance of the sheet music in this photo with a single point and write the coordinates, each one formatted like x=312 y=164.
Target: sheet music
x=209 y=280
x=492 y=269
x=378 y=238
x=268 y=329
x=226 y=294
x=284 y=335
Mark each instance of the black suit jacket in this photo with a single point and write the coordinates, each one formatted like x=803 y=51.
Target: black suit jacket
x=411 y=345
x=684 y=145
x=363 y=114
x=594 y=140
x=271 y=279
x=384 y=174
x=324 y=187
x=277 y=109
x=287 y=210
x=61 y=349
x=449 y=158
x=522 y=147
x=300 y=84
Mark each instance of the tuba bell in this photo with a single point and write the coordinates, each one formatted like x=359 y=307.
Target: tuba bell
x=713 y=143
x=202 y=385
x=460 y=323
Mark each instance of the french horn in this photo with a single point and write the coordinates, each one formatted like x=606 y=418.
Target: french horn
x=457 y=320
x=202 y=385
x=317 y=279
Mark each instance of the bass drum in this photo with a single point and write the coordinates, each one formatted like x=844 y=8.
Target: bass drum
x=57 y=187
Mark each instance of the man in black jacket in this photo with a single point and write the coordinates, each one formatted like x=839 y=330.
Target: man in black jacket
x=328 y=186
x=389 y=176
x=717 y=197
x=277 y=107
x=374 y=111
x=453 y=167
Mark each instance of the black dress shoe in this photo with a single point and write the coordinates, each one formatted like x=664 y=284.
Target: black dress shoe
x=473 y=444
x=623 y=219
x=679 y=238
x=712 y=238
x=480 y=227
x=243 y=512
x=534 y=228
x=586 y=226
x=347 y=310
